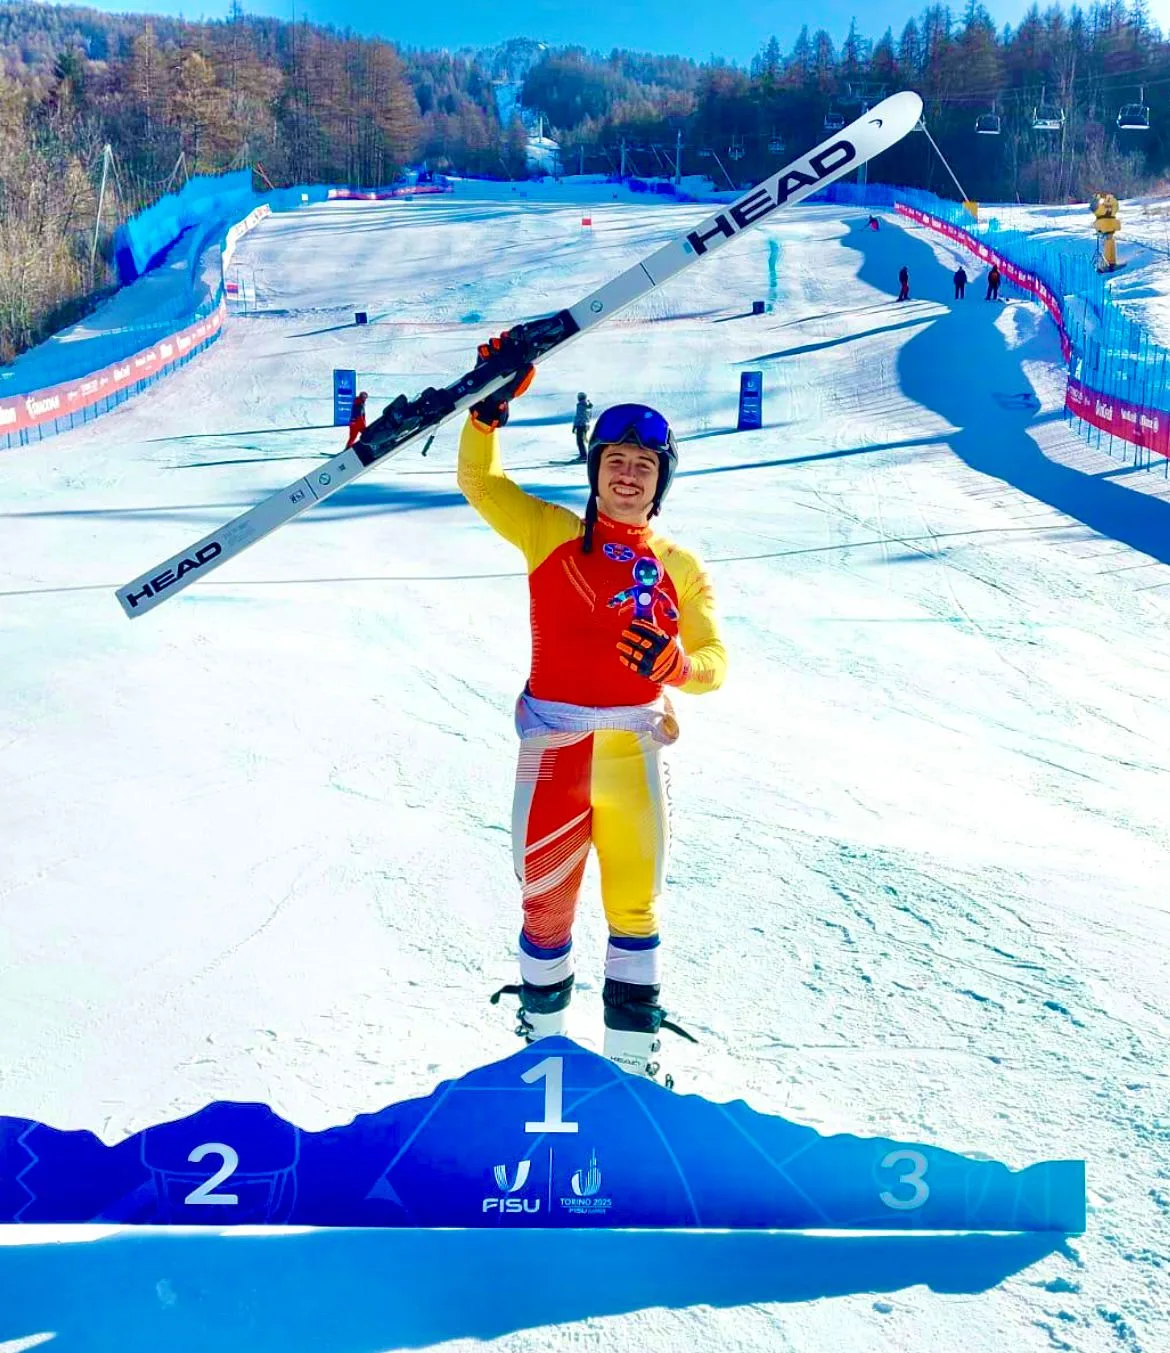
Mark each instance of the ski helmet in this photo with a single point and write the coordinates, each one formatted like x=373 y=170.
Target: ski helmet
x=637 y=425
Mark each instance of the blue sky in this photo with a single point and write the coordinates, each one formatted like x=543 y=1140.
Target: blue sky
x=735 y=29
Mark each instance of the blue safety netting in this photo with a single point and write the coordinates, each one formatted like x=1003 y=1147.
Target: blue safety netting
x=145 y=238
x=1112 y=353
x=170 y=281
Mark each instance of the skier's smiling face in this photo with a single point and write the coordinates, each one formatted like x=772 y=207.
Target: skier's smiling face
x=627 y=480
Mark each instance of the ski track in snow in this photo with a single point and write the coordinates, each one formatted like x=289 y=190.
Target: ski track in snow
x=917 y=889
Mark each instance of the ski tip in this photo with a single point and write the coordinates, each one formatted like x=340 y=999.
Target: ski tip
x=901 y=110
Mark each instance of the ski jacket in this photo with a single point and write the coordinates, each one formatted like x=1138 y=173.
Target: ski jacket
x=579 y=603
x=581 y=416
x=961 y=276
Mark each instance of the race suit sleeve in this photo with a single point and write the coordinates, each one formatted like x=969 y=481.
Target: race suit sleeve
x=698 y=629
x=535 y=527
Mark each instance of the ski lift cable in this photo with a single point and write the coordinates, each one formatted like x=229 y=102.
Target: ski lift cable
x=923 y=127
x=1113 y=83
x=1024 y=94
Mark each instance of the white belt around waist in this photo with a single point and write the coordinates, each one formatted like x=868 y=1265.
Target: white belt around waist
x=535 y=718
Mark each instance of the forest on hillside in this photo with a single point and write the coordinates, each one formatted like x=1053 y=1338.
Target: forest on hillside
x=302 y=103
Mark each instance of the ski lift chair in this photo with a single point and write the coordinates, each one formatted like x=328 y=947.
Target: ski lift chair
x=987 y=124
x=1135 y=117
x=1047 y=117
x=834 y=122
x=775 y=146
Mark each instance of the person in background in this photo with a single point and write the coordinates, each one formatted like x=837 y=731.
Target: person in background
x=992 y=284
x=357 y=420
x=581 y=425
x=873 y=223
x=904 y=279
x=960 y=280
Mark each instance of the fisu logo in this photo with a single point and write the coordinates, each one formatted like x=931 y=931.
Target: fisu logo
x=511 y=1204
x=522 y=1172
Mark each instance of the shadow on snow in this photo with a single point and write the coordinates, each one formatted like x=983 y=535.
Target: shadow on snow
x=958 y=364
x=365 y=1291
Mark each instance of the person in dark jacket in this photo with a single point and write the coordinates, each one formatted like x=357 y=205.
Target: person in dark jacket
x=992 y=284
x=357 y=420
x=960 y=280
x=873 y=223
x=581 y=425
x=904 y=278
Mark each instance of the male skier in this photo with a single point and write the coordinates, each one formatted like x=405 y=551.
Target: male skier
x=992 y=284
x=618 y=614
x=904 y=284
x=581 y=424
x=357 y=420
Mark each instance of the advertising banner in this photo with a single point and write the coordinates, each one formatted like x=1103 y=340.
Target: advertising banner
x=751 y=400
x=21 y=412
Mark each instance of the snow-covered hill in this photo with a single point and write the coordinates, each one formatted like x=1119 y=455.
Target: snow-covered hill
x=256 y=844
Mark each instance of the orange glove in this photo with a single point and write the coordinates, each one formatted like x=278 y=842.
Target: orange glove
x=652 y=653
x=492 y=410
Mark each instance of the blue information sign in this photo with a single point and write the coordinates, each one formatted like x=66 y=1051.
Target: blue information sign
x=344 y=390
x=751 y=400
x=552 y=1136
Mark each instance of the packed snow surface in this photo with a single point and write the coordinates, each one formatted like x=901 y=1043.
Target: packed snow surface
x=256 y=843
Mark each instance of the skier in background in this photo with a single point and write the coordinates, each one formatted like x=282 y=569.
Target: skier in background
x=992 y=284
x=619 y=615
x=581 y=424
x=904 y=278
x=960 y=280
x=873 y=223
x=357 y=420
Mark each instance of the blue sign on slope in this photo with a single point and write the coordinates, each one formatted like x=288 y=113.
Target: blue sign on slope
x=553 y=1136
x=344 y=390
x=751 y=400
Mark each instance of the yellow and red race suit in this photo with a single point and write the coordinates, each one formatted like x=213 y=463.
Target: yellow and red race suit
x=592 y=728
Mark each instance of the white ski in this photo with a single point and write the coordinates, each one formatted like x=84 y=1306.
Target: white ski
x=404 y=420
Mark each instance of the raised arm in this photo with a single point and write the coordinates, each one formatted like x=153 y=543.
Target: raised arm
x=529 y=523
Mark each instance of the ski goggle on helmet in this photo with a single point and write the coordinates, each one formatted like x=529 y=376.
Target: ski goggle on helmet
x=633 y=423
x=630 y=425
x=636 y=425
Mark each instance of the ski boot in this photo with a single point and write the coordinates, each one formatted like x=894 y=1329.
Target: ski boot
x=544 y=1011
x=633 y=1020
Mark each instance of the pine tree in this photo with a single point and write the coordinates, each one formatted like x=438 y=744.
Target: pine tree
x=854 y=54
x=801 y=61
x=910 y=52
x=884 y=62
x=824 y=61
x=771 y=64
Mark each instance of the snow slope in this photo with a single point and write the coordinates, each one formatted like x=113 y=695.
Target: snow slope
x=257 y=844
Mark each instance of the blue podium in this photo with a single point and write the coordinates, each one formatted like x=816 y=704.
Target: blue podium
x=553 y=1136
